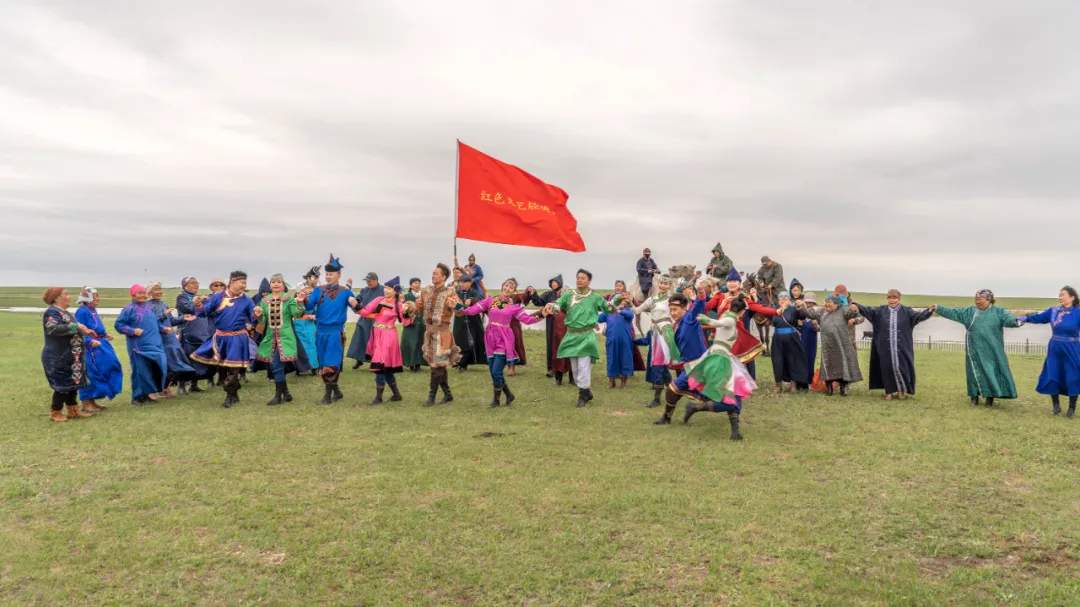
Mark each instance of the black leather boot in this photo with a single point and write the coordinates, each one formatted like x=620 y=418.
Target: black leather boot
x=655 y=402
x=974 y=401
x=734 y=419
x=1057 y=404
x=433 y=389
x=182 y=389
x=447 y=395
x=286 y=396
x=509 y=395
x=396 y=394
x=496 y=393
x=277 y=399
x=828 y=388
x=335 y=391
x=378 y=395
x=1072 y=407
x=328 y=394
x=671 y=399
x=581 y=400
x=691 y=408
x=843 y=388
x=558 y=378
x=989 y=402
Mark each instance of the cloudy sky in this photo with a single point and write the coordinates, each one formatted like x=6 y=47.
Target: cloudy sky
x=931 y=146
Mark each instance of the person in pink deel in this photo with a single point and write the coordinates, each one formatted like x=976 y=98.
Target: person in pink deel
x=383 y=345
x=499 y=337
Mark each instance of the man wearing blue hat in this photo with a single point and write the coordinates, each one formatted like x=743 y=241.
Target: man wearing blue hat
x=330 y=303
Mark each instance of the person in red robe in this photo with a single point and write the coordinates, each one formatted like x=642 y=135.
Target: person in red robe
x=747 y=347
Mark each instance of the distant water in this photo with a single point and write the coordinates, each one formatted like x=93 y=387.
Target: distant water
x=937 y=328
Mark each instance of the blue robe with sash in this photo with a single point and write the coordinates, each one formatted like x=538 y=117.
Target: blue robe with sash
x=146 y=352
x=103 y=367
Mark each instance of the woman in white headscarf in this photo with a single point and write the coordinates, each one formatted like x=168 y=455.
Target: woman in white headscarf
x=103 y=368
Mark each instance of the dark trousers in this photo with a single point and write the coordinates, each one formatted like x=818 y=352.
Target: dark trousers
x=383 y=378
x=277 y=371
x=496 y=364
x=59 y=399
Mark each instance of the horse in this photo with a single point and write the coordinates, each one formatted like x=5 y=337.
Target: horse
x=765 y=298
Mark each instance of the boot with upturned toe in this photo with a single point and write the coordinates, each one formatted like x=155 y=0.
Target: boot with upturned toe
x=509 y=395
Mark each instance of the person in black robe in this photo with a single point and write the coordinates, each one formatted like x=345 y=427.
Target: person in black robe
x=556 y=285
x=469 y=330
x=788 y=356
x=194 y=332
x=358 y=345
x=646 y=268
x=892 y=354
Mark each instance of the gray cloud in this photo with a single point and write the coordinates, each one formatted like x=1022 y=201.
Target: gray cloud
x=928 y=146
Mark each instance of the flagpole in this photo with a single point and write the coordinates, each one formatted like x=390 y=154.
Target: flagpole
x=457 y=174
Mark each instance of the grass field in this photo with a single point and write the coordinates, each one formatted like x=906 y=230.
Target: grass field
x=827 y=502
x=18 y=297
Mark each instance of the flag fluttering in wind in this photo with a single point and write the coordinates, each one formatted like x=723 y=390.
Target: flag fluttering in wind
x=498 y=202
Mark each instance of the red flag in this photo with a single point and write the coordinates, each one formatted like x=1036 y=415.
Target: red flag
x=498 y=202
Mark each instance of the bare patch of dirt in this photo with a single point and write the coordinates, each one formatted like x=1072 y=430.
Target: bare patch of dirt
x=272 y=558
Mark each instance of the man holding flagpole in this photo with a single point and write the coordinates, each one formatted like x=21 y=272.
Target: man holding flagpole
x=582 y=307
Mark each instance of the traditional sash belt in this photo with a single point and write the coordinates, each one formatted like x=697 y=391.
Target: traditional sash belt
x=1069 y=339
x=784 y=331
x=379 y=325
x=231 y=333
x=497 y=324
x=99 y=336
x=442 y=327
x=578 y=331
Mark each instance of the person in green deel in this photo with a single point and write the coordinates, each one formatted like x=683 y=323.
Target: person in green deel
x=720 y=266
x=987 y=366
x=583 y=307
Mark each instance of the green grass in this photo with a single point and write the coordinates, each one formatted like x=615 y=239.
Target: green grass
x=17 y=297
x=827 y=502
